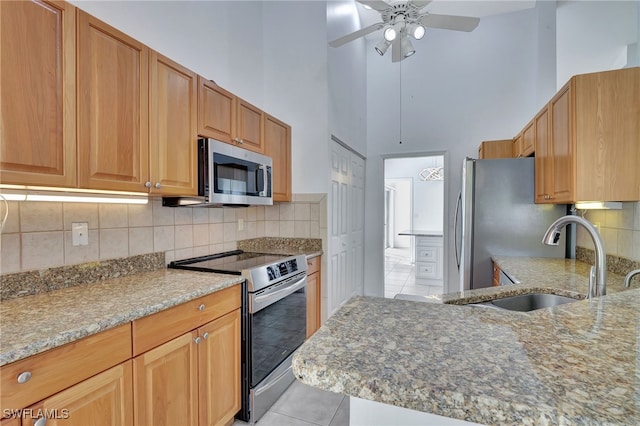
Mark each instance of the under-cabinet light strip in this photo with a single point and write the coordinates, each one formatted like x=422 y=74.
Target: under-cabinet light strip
x=70 y=195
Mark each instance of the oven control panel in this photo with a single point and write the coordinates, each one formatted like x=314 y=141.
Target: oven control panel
x=278 y=270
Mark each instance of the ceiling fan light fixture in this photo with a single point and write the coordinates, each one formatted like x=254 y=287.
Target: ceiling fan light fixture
x=417 y=31
x=382 y=46
x=390 y=34
x=406 y=47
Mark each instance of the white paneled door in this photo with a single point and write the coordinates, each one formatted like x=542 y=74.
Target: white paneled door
x=346 y=245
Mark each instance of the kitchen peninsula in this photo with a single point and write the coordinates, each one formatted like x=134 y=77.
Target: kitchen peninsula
x=575 y=363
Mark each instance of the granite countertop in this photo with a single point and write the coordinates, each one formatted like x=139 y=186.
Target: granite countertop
x=574 y=363
x=33 y=324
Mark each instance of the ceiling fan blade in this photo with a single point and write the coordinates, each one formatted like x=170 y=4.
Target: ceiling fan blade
x=378 y=5
x=357 y=34
x=419 y=4
x=450 y=22
x=396 y=49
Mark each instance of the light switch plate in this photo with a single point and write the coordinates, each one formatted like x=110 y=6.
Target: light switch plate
x=79 y=233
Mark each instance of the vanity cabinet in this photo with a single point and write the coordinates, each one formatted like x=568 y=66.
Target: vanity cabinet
x=187 y=364
x=429 y=259
x=314 y=295
x=277 y=145
x=173 y=109
x=591 y=151
x=90 y=378
x=38 y=93
x=225 y=117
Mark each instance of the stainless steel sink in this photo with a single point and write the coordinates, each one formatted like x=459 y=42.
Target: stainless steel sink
x=527 y=302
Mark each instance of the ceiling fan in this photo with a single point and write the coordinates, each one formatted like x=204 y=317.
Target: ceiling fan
x=401 y=19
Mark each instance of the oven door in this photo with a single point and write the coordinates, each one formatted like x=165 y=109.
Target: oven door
x=277 y=323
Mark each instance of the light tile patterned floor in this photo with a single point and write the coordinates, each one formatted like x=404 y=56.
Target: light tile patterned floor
x=303 y=405
x=399 y=276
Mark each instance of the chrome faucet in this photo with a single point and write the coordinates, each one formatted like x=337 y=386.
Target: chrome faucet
x=552 y=236
x=627 y=279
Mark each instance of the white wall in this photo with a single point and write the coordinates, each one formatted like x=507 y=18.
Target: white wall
x=457 y=90
x=273 y=54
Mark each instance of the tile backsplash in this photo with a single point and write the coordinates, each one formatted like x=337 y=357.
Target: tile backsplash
x=37 y=235
x=620 y=230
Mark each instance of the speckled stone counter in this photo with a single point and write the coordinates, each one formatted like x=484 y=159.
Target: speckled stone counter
x=577 y=363
x=290 y=246
x=33 y=324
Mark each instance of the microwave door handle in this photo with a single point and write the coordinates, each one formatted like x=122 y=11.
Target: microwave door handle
x=265 y=176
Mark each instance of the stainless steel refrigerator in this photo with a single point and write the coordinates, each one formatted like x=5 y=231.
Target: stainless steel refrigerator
x=496 y=215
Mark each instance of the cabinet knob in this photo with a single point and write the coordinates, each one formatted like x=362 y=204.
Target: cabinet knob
x=197 y=340
x=147 y=185
x=157 y=185
x=205 y=336
x=201 y=307
x=24 y=377
x=240 y=141
x=40 y=422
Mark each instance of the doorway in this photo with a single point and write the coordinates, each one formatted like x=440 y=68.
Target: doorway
x=413 y=225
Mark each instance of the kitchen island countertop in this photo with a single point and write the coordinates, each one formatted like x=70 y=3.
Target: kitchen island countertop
x=574 y=363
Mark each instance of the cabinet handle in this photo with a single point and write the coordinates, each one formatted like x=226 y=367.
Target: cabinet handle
x=147 y=185
x=237 y=140
x=24 y=377
x=201 y=307
x=240 y=141
x=40 y=422
x=197 y=340
x=205 y=336
x=157 y=185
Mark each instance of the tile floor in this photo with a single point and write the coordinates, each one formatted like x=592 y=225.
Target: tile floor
x=303 y=405
x=399 y=276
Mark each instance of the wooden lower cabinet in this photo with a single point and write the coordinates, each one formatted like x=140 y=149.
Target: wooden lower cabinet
x=314 y=295
x=193 y=379
x=219 y=370
x=105 y=399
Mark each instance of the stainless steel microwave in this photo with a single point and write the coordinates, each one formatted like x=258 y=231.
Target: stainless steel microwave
x=228 y=175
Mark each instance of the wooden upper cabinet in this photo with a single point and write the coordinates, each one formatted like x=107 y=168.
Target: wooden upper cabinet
x=37 y=93
x=173 y=109
x=528 y=140
x=593 y=133
x=113 y=105
x=249 y=126
x=496 y=149
x=517 y=146
x=277 y=145
x=216 y=111
x=103 y=400
x=543 y=164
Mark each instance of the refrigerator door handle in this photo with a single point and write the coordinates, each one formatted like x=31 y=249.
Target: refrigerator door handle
x=455 y=227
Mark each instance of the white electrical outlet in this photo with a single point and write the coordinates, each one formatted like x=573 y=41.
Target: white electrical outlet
x=240 y=224
x=79 y=233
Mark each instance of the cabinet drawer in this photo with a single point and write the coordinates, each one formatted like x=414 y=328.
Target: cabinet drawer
x=153 y=330
x=427 y=270
x=428 y=254
x=59 y=368
x=428 y=241
x=313 y=265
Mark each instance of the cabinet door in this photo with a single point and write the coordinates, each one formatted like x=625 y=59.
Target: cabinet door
x=13 y=421
x=165 y=384
x=249 y=126
x=113 y=104
x=37 y=93
x=528 y=139
x=172 y=127
x=543 y=163
x=313 y=303
x=105 y=399
x=277 y=145
x=216 y=111
x=219 y=370
x=561 y=143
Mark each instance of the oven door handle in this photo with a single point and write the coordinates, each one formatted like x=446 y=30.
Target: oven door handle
x=278 y=294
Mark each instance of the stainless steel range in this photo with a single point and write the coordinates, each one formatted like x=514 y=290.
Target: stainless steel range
x=274 y=320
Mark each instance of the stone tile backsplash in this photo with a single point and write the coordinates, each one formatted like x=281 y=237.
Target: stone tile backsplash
x=620 y=230
x=37 y=235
